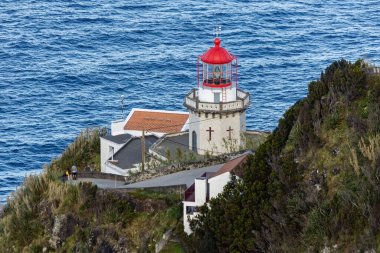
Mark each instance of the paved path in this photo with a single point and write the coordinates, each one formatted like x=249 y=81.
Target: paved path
x=101 y=183
x=180 y=178
x=185 y=177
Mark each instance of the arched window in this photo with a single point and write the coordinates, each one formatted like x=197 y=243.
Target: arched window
x=194 y=141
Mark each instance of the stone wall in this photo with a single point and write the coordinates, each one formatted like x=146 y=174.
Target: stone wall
x=100 y=175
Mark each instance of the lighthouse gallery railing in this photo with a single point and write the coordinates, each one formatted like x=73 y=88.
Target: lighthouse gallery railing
x=241 y=103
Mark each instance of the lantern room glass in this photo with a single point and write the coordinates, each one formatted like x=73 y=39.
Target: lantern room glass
x=216 y=74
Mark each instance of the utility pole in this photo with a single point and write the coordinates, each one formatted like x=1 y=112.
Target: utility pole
x=143 y=151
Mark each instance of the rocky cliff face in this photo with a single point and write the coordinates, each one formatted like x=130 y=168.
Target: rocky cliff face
x=64 y=226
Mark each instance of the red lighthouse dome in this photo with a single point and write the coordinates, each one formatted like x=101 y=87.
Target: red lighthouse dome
x=217 y=54
x=217 y=68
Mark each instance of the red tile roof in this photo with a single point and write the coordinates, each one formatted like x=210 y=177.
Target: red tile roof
x=154 y=121
x=231 y=165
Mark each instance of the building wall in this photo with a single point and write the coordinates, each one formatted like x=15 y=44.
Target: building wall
x=105 y=153
x=193 y=127
x=200 y=190
x=243 y=124
x=219 y=123
x=216 y=184
x=117 y=127
x=139 y=133
x=206 y=94
x=188 y=216
x=190 y=209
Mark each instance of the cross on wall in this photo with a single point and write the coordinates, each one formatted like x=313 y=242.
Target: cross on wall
x=229 y=132
x=209 y=133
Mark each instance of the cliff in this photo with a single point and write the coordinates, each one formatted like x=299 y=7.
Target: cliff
x=48 y=215
x=313 y=186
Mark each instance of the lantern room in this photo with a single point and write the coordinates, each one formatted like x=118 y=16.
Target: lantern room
x=217 y=74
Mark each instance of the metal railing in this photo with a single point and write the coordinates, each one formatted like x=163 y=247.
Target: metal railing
x=192 y=102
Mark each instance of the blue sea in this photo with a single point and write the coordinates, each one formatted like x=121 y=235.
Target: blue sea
x=65 y=64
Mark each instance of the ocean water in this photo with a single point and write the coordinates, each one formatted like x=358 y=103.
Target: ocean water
x=65 y=64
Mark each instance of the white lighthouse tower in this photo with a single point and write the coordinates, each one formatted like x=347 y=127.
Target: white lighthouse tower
x=217 y=107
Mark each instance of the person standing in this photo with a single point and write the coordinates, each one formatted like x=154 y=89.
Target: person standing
x=74 y=172
x=68 y=173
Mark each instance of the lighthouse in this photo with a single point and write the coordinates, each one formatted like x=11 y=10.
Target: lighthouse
x=217 y=107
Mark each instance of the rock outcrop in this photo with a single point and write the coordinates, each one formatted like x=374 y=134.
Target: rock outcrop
x=64 y=226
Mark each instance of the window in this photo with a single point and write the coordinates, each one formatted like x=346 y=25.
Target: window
x=194 y=141
x=111 y=151
x=216 y=97
x=216 y=73
x=191 y=209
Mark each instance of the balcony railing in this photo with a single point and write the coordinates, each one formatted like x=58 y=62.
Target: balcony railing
x=192 y=102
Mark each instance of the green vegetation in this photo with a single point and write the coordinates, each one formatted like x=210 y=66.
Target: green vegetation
x=173 y=247
x=47 y=214
x=253 y=139
x=314 y=183
x=85 y=150
x=178 y=156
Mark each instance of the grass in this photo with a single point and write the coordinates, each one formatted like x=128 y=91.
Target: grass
x=148 y=194
x=148 y=228
x=28 y=219
x=85 y=150
x=173 y=247
x=254 y=139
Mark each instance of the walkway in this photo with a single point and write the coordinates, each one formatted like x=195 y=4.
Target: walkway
x=185 y=177
x=101 y=183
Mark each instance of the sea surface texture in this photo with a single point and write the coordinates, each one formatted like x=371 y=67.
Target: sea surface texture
x=65 y=64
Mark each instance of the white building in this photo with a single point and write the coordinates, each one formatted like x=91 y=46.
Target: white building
x=109 y=146
x=127 y=156
x=121 y=151
x=208 y=186
x=217 y=107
